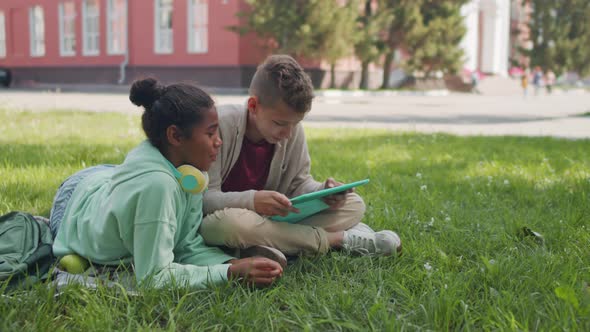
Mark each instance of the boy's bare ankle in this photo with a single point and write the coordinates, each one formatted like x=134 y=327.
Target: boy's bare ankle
x=335 y=239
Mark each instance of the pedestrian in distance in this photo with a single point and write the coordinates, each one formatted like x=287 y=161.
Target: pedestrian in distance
x=537 y=79
x=475 y=77
x=524 y=82
x=549 y=81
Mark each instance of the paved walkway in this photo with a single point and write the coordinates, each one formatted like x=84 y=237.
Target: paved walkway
x=557 y=115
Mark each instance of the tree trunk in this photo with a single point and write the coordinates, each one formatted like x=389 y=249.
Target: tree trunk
x=364 y=75
x=387 y=68
x=332 y=76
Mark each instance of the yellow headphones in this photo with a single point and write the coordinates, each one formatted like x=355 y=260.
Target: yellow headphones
x=190 y=178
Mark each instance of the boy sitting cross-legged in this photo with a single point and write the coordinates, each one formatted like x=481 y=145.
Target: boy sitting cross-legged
x=264 y=161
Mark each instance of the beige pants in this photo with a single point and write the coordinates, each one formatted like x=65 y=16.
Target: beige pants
x=242 y=228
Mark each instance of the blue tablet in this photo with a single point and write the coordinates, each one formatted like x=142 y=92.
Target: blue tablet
x=312 y=203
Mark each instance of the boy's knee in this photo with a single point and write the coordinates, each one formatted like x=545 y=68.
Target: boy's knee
x=352 y=213
x=355 y=206
x=229 y=226
x=349 y=215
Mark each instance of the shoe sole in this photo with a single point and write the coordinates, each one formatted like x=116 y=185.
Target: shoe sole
x=398 y=249
x=363 y=228
x=267 y=252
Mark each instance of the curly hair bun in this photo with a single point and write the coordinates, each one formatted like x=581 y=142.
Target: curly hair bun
x=145 y=92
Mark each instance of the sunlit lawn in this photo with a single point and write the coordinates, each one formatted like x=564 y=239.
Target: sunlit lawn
x=458 y=203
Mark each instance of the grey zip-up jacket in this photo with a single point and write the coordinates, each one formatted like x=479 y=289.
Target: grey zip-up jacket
x=289 y=168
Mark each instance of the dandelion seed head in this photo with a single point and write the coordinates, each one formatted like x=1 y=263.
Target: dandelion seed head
x=494 y=292
x=431 y=222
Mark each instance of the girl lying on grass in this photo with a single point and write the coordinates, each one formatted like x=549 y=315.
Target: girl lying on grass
x=147 y=211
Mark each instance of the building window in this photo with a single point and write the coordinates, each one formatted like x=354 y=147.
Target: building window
x=198 y=18
x=2 y=36
x=37 y=31
x=91 y=27
x=67 y=28
x=117 y=26
x=163 y=40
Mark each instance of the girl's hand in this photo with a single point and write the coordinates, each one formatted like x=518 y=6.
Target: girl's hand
x=258 y=271
x=272 y=203
x=335 y=201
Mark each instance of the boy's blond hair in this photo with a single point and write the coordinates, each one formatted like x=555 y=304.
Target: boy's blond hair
x=280 y=77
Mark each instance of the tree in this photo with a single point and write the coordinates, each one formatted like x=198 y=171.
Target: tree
x=406 y=16
x=560 y=35
x=434 y=43
x=370 y=45
x=320 y=29
x=282 y=25
x=335 y=31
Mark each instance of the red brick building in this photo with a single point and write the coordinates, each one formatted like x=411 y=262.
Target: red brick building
x=114 y=41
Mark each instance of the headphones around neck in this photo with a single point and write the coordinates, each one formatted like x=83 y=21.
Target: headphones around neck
x=190 y=178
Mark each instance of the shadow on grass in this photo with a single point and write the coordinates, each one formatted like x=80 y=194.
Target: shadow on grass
x=392 y=161
x=417 y=119
x=443 y=155
x=33 y=155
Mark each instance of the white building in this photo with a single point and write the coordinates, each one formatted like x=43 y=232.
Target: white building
x=487 y=40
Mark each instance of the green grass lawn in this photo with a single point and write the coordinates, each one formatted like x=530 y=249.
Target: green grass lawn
x=458 y=204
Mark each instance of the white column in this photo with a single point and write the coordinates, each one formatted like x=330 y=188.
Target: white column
x=496 y=29
x=504 y=55
x=469 y=44
x=488 y=8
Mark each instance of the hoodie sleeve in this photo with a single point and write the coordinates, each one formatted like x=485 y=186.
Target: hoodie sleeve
x=191 y=248
x=154 y=231
x=154 y=260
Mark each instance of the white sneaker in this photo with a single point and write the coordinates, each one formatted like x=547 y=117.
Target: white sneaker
x=370 y=244
x=362 y=227
x=391 y=236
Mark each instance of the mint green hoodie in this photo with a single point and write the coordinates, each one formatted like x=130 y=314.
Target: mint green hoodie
x=137 y=213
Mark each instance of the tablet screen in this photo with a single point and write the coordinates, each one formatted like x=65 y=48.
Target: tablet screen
x=312 y=203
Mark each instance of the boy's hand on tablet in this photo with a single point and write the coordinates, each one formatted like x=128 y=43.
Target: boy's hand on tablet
x=335 y=201
x=272 y=203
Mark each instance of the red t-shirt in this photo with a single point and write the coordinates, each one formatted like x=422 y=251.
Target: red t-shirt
x=250 y=171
